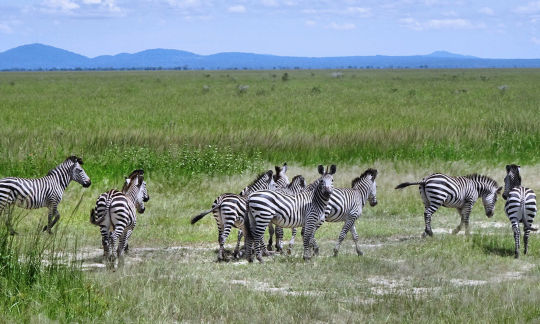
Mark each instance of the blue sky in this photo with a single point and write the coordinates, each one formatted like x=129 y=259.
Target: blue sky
x=492 y=29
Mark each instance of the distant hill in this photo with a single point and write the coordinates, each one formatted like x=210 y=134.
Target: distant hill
x=44 y=57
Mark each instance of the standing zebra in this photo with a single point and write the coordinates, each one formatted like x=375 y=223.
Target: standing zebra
x=297 y=185
x=346 y=205
x=520 y=206
x=42 y=192
x=305 y=209
x=229 y=210
x=455 y=192
x=115 y=214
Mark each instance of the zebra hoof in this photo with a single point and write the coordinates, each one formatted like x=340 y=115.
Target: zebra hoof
x=269 y=247
x=360 y=253
x=336 y=252
x=516 y=255
x=289 y=251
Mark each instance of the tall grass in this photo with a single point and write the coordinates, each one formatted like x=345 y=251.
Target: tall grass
x=165 y=123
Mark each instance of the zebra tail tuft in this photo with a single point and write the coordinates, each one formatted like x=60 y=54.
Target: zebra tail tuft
x=204 y=213
x=93 y=216
x=406 y=184
x=534 y=229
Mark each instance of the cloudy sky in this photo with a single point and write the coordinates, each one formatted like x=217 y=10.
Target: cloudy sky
x=485 y=28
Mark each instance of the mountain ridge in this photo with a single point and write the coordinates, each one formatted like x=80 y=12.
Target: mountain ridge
x=45 y=57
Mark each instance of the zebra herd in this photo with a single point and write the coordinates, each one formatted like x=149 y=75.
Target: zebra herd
x=272 y=200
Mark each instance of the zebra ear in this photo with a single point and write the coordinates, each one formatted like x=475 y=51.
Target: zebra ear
x=507 y=168
x=278 y=169
x=321 y=169
x=333 y=169
x=284 y=167
x=499 y=190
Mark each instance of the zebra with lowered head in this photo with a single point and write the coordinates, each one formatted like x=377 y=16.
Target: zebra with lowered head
x=305 y=209
x=461 y=193
x=520 y=206
x=115 y=214
x=42 y=192
x=229 y=210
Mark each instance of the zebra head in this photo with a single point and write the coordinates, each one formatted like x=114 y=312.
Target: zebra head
x=135 y=181
x=490 y=198
x=326 y=182
x=512 y=179
x=280 y=178
x=145 y=196
x=142 y=196
x=77 y=172
x=297 y=184
x=366 y=182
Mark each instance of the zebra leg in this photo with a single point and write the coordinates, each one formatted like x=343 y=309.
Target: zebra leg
x=526 y=240
x=515 y=228
x=237 y=248
x=271 y=234
x=309 y=235
x=221 y=243
x=427 y=219
x=6 y=208
x=291 y=242
x=52 y=212
x=279 y=239
x=355 y=239
x=346 y=227
x=458 y=228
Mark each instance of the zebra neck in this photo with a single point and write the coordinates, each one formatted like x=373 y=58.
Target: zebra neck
x=131 y=193
x=483 y=189
x=320 y=199
x=61 y=174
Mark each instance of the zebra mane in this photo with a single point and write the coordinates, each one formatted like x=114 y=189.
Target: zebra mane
x=295 y=179
x=131 y=177
x=369 y=172
x=75 y=159
x=482 y=179
x=259 y=177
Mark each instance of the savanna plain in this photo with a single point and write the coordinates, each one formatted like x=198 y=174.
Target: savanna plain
x=198 y=134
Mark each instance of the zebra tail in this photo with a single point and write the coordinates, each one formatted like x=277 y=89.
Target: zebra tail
x=534 y=229
x=204 y=213
x=406 y=184
x=93 y=217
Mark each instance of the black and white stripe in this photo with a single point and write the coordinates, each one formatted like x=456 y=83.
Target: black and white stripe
x=115 y=214
x=229 y=210
x=42 y=192
x=305 y=209
x=520 y=206
x=346 y=205
x=461 y=193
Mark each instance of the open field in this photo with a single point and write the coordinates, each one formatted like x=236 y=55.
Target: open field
x=196 y=142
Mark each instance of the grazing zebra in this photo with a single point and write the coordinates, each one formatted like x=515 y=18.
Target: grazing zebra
x=455 y=192
x=346 y=205
x=229 y=210
x=42 y=192
x=297 y=185
x=115 y=214
x=305 y=209
x=520 y=206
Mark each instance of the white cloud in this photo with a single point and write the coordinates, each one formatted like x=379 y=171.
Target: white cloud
x=237 y=9
x=5 y=29
x=454 y=23
x=486 y=11
x=535 y=40
x=270 y=3
x=62 y=5
x=364 y=12
x=529 y=8
x=81 y=8
x=91 y=1
x=345 y=26
x=310 y=23
x=184 y=4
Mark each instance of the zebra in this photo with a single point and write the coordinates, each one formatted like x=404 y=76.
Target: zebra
x=346 y=205
x=42 y=192
x=461 y=193
x=229 y=210
x=305 y=209
x=520 y=206
x=297 y=185
x=115 y=214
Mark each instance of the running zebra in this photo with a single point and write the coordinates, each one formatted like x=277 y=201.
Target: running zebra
x=305 y=209
x=455 y=192
x=520 y=206
x=229 y=210
x=42 y=192
x=346 y=205
x=115 y=214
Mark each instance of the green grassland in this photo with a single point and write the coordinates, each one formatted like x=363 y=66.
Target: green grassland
x=198 y=134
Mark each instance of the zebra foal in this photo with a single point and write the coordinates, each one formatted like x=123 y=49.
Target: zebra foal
x=520 y=206
x=461 y=193
x=42 y=192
